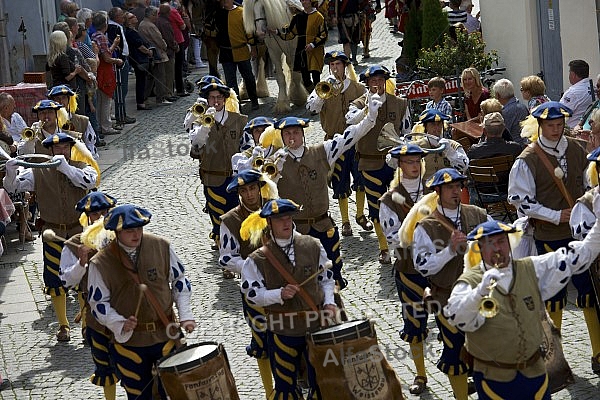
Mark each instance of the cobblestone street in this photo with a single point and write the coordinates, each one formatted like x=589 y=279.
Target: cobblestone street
x=148 y=164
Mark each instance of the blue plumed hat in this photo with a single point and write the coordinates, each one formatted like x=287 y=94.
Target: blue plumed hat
x=126 y=216
x=336 y=55
x=46 y=105
x=60 y=90
x=56 y=138
x=95 y=201
x=443 y=176
x=288 y=122
x=258 y=122
x=432 y=115
x=223 y=89
x=243 y=178
x=279 y=208
x=207 y=79
x=374 y=70
x=490 y=228
x=551 y=110
x=407 y=150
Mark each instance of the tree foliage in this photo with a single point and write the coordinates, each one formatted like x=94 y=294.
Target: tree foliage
x=468 y=50
x=412 y=35
x=435 y=23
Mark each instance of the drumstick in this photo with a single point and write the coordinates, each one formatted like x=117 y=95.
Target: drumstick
x=143 y=288
x=315 y=274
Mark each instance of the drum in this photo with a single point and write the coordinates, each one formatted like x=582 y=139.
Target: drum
x=199 y=371
x=346 y=331
x=349 y=364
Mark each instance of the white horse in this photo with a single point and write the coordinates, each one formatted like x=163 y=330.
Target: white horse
x=260 y=18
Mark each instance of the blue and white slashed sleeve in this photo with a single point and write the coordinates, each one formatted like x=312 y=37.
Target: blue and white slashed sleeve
x=229 y=251
x=181 y=288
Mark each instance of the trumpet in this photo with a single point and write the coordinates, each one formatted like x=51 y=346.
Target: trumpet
x=198 y=109
x=258 y=163
x=489 y=307
x=30 y=133
x=328 y=88
x=269 y=165
x=207 y=120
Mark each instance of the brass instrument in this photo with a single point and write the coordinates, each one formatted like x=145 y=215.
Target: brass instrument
x=328 y=88
x=488 y=307
x=258 y=163
x=207 y=120
x=198 y=109
x=30 y=133
x=269 y=165
x=388 y=138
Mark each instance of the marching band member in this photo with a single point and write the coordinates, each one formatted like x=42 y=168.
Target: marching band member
x=249 y=185
x=304 y=178
x=505 y=343
x=252 y=147
x=144 y=333
x=439 y=241
x=453 y=154
x=218 y=140
x=582 y=220
x=63 y=95
x=58 y=190
x=277 y=278
x=543 y=181
x=376 y=174
x=330 y=109
x=47 y=125
x=73 y=272
x=407 y=188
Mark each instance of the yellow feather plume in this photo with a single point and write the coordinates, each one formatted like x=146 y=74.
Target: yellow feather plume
x=73 y=103
x=418 y=128
x=592 y=173
x=83 y=220
x=271 y=137
x=530 y=128
x=253 y=227
x=472 y=257
x=232 y=104
x=81 y=153
x=390 y=86
x=268 y=191
x=351 y=73
x=397 y=178
x=62 y=117
x=96 y=237
x=417 y=213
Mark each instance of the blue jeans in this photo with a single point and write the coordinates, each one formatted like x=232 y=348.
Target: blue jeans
x=245 y=68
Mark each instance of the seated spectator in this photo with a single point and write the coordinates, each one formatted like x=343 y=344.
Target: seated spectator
x=489 y=106
x=513 y=111
x=578 y=96
x=533 y=90
x=11 y=120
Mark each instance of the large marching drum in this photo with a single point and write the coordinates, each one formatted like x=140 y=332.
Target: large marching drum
x=197 y=372
x=350 y=365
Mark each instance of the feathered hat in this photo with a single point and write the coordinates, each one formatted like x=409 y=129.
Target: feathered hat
x=390 y=83
x=592 y=170
x=472 y=257
x=254 y=226
x=546 y=111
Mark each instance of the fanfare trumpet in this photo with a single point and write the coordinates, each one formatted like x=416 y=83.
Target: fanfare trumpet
x=207 y=120
x=330 y=87
x=30 y=133
x=269 y=165
x=198 y=109
x=488 y=307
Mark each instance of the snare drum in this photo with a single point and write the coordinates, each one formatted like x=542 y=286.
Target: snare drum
x=346 y=331
x=200 y=371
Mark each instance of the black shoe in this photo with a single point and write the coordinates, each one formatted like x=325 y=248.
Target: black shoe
x=100 y=143
x=129 y=120
x=172 y=98
x=144 y=107
x=255 y=105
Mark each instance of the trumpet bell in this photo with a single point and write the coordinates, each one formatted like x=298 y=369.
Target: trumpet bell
x=258 y=162
x=388 y=138
x=270 y=169
x=488 y=307
x=206 y=120
x=329 y=88
x=198 y=109
x=27 y=134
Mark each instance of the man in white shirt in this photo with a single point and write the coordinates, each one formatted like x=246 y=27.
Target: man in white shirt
x=579 y=96
x=13 y=122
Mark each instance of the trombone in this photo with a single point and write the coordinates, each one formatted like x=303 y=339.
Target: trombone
x=328 y=88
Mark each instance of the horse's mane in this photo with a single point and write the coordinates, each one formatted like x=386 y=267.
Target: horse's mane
x=277 y=13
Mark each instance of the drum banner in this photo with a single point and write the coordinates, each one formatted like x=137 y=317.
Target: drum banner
x=210 y=380
x=354 y=369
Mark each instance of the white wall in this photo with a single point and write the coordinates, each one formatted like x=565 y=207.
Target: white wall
x=509 y=27
x=579 y=36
